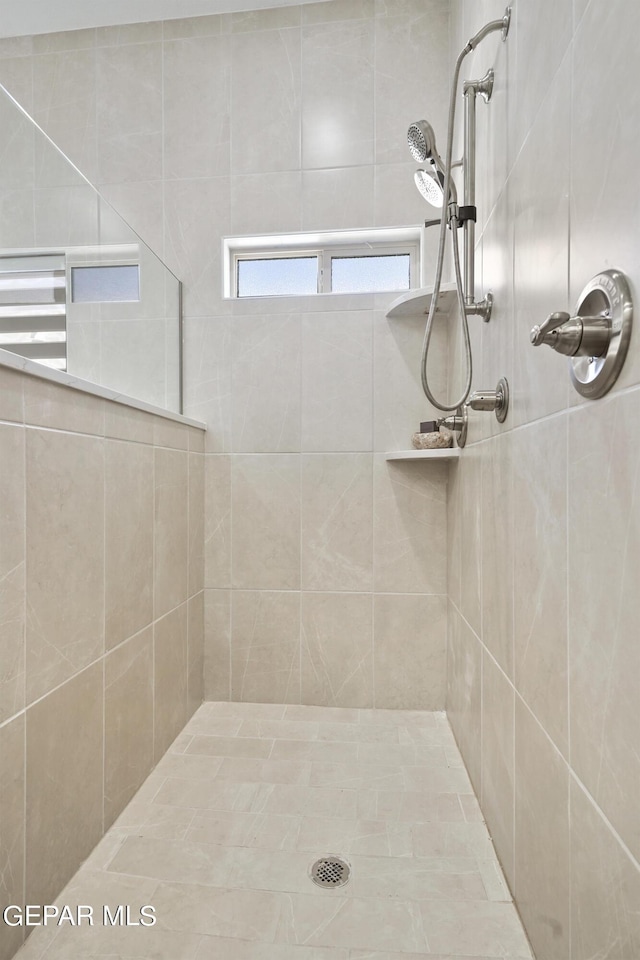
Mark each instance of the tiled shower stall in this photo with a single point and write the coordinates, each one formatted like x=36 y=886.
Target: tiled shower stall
x=278 y=558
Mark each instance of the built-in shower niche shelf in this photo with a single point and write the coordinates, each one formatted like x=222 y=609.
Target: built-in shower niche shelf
x=416 y=303
x=446 y=453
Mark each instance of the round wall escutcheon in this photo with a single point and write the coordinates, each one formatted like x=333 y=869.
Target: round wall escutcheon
x=607 y=295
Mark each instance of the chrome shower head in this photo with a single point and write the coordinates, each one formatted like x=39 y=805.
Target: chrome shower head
x=422 y=141
x=430 y=187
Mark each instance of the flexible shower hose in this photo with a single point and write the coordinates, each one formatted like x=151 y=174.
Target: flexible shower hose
x=448 y=408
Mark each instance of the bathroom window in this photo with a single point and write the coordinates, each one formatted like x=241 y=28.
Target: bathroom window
x=373 y=261
x=105 y=284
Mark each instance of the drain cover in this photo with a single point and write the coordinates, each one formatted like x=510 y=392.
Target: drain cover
x=330 y=872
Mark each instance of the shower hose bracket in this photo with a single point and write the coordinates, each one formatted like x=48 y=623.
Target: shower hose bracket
x=468 y=212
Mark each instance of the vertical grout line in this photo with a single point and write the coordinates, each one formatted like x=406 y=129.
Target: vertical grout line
x=301 y=328
x=104 y=626
x=374 y=462
x=567 y=524
x=512 y=562
x=189 y=584
x=24 y=656
x=153 y=603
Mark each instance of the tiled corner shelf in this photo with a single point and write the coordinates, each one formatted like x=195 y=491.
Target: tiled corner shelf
x=446 y=453
x=416 y=303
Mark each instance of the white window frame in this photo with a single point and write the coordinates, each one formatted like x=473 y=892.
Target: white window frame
x=324 y=246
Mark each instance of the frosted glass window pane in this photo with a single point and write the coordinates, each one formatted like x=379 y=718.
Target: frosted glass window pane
x=102 y=284
x=370 y=274
x=282 y=276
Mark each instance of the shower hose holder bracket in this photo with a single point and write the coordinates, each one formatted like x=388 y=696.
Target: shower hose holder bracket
x=468 y=212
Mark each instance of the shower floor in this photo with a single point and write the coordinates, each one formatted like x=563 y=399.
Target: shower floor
x=221 y=837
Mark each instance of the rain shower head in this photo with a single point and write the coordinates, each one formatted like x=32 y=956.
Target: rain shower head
x=422 y=141
x=430 y=187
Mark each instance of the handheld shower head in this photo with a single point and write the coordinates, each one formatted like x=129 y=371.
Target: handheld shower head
x=422 y=141
x=430 y=187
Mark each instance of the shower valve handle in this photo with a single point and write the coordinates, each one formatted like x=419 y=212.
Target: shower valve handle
x=573 y=336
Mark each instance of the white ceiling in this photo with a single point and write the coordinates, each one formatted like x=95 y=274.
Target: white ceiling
x=21 y=17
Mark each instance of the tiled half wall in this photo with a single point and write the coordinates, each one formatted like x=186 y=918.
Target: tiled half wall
x=101 y=619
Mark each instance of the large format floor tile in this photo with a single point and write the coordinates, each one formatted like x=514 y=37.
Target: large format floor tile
x=221 y=837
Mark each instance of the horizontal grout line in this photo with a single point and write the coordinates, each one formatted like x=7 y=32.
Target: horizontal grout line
x=103 y=656
x=96 y=436
x=337 y=593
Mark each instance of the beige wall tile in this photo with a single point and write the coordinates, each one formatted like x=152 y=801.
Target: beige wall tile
x=265 y=646
x=127 y=423
x=337 y=542
x=197 y=83
x=337 y=131
x=540 y=612
x=266 y=384
x=534 y=74
x=399 y=403
x=128 y=540
x=64 y=96
x=193 y=27
x=65 y=557
x=217 y=645
x=126 y=33
x=410 y=527
x=266 y=202
x=266 y=522
x=11 y=395
x=542 y=871
x=604 y=606
x=64 y=40
x=196 y=524
x=337 y=649
x=129 y=110
x=406 y=42
x=195 y=691
x=171 y=540
x=265 y=73
x=605 y=886
x=192 y=250
x=207 y=367
x=139 y=203
x=409 y=651
x=464 y=692
x=64 y=782
x=497 y=546
x=170 y=640
x=337 y=198
x=498 y=719
x=12 y=570
x=18 y=170
x=471 y=501
x=128 y=720
x=337 y=412
x=12 y=790
x=274 y=19
x=600 y=233
x=541 y=225
x=49 y=404
x=217 y=521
